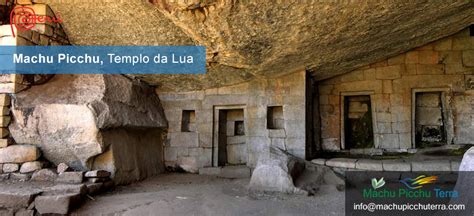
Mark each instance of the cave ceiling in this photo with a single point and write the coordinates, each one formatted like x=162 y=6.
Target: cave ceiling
x=258 y=39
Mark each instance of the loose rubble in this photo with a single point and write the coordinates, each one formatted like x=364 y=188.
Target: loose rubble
x=48 y=192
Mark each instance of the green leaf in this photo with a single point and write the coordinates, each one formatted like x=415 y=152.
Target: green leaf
x=374 y=183
x=378 y=183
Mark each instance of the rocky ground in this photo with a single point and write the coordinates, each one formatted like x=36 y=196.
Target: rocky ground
x=187 y=194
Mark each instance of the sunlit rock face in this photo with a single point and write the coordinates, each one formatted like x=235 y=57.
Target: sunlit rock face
x=77 y=119
x=250 y=39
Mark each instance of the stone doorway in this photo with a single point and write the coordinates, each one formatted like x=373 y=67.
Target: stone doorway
x=231 y=145
x=358 y=130
x=430 y=120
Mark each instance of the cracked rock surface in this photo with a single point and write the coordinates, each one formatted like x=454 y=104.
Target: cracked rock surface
x=250 y=39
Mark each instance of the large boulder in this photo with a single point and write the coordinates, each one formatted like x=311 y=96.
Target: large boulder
x=282 y=172
x=465 y=182
x=75 y=118
x=275 y=172
x=467 y=163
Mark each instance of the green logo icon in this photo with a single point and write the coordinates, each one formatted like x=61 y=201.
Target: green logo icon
x=378 y=183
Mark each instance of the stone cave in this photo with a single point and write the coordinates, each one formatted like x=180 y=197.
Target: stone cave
x=296 y=95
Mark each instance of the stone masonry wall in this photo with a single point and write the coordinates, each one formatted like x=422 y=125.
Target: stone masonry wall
x=43 y=34
x=19 y=161
x=446 y=65
x=194 y=149
x=16 y=161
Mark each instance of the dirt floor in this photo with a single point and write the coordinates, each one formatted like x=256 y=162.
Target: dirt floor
x=187 y=194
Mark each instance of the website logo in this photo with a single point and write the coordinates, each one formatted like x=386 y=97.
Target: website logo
x=24 y=18
x=419 y=181
x=377 y=183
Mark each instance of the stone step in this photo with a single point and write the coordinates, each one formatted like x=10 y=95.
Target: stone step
x=70 y=177
x=57 y=204
x=66 y=189
x=17 y=198
x=47 y=198
x=390 y=165
x=231 y=172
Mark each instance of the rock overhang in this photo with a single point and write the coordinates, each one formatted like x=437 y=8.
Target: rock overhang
x=248 y=40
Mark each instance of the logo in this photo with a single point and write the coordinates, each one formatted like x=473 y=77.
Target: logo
x=419 y=181
x=24 y=18
x=412 y=189
x=378 y=183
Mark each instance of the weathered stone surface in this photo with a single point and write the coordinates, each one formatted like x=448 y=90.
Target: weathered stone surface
x=396 y=166
x=7 y=212
x=465 y=181
x=237 y=153
x=285 y=173
x=247 y=39
x=189 y=164
x=467 y=163
x=432 y=165
x=97 y=180
x=44 y=175
x=366 y=151
x=20 y=176
x=25 y=212
x=276 y=171
x=372 y=165
x=66 y=189
x=468 y=58
x=57 y=204
x=4 y=100
x=8 y=168
x=342 y=162
x=233 y=172
x=4 y=176
x=5 y=142
x=455 y=166
x=315 y=175
x=319 y=161
x=19 y=154
x=189 y=139
x=134 y=154
x=73 y=119
x=16 y=198
x=62 y=167
x=70 y=177
x=31 y=167
x=4 y=121
x=97 y=174
x=3 y=133
x=214 y=171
